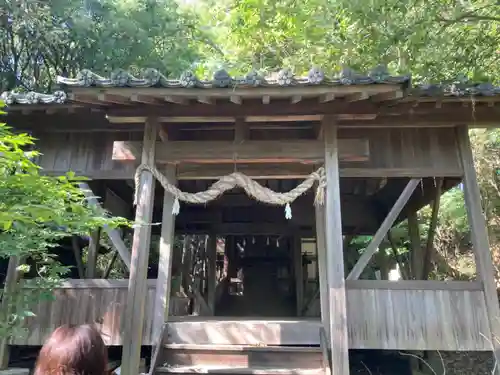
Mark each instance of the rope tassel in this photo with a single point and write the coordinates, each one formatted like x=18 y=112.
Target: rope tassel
x=176 y=207
x=288 y=211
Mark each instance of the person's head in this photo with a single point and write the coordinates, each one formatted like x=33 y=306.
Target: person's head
x=73 y=350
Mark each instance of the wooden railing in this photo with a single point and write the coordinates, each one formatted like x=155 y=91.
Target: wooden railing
x=408 y=315
x=415 y=315
x=97 y=301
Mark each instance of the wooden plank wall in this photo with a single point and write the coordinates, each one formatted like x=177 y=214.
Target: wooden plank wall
x=425 y=149
x=92 y=301
x=415 y=315
x=430 y=151
x=88 y=154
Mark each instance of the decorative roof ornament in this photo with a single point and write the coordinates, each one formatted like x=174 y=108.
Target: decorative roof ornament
x=121 y=78
x=285 y=77
x=460 y=87
x=347 y=76
x=152 y=77
x=12 y=97
x=315 y=76
x=379 y=74
x=188 y=80
x=254 y=79
x=222 y=79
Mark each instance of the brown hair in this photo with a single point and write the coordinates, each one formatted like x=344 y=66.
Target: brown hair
x=73 y=350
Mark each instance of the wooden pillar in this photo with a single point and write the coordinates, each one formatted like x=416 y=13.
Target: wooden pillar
x=137 y=287
x=166 y=248
x=92 y=254
x=77 y=253
x=231 y=255
x=299 y=273
x=186 y=263
x=212 y=271
x=94 y=238
x=11 y=280
x=335 y=257
x=416 y=255
x=429 y=248
x=322 y=262
x=480 y=242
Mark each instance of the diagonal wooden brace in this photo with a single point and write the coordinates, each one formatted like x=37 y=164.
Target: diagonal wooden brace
x=113 y=234
x=382 y=231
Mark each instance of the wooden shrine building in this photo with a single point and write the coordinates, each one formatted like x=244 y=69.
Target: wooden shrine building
x=367 y=151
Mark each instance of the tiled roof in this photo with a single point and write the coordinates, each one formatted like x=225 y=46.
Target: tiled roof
x=221 y=79
x=152 y=78
x=13 y=97
x=456 y=89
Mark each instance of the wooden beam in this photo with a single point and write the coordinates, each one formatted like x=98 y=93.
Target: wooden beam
x=386 y=96
x=255 y=171
x=235 y=99
x=335 y=260
x=400 y=114
x=452 y=285
x=322 y=267
x=302 y=212
x=113 y=234
x=308 y=151
x=382 y=231
x=244 y=92
x=480 y=242
x=357 y=96
x=113 y=99
x=327 y=98
x=86 y=99
x=245 y=229
x=308 y=106
x=176 y=100
x=137 y=290
x=241 y=131
x=263 y=171
x=163 y=282
x=266 y=171
x=144 y=99
x=205 y=99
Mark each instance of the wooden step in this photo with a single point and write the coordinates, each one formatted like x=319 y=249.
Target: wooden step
x=242 y=356
x=237 y=370
x=233 y=331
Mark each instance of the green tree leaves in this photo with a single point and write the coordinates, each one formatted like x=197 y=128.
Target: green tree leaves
x=36 y=211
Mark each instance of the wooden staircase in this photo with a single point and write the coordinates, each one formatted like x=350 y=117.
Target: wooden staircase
x=206 y=358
